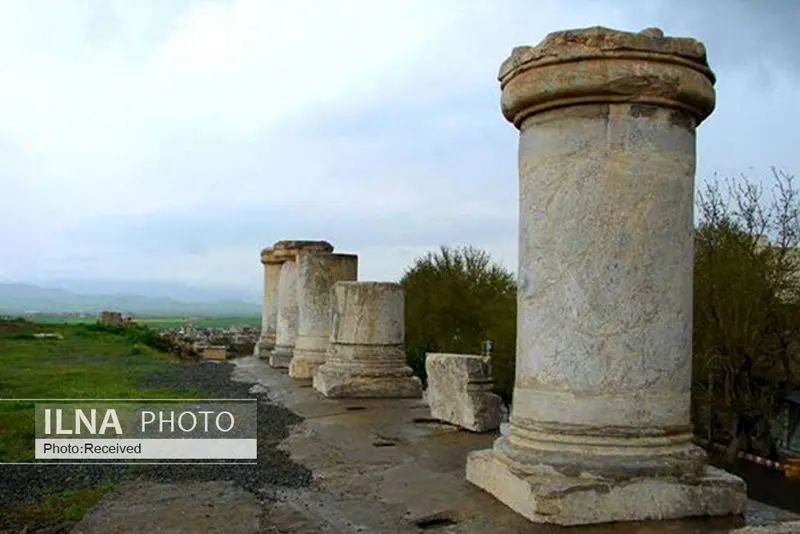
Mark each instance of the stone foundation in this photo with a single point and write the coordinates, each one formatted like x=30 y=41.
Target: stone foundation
x=547 y=497
x=280 y=359
x=366 y=357
x=460 y=391
x=263 y=348
x=347 y=375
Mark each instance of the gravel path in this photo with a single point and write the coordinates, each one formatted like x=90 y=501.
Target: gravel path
x=27 y=483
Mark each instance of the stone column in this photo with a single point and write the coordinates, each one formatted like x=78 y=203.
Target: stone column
x=600 y=429
x=316 y=275
x=366 y=357
x=269 y=309
x=286 y=320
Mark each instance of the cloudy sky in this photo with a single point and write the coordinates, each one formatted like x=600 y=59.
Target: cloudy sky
x=169 y=141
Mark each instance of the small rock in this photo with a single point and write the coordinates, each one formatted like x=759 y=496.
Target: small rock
x=257 y=389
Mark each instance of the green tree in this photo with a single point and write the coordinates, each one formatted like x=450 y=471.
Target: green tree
x=746 y=320
x=456 y=299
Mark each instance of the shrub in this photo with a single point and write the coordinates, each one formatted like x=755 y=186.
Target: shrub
x=455 y=300
x=746 y=313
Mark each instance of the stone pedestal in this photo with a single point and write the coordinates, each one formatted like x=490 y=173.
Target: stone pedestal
x=316 y=275
x=269 y=308
x=460 y=391
x=600 y=428
x=286 y=253
x=366 y=357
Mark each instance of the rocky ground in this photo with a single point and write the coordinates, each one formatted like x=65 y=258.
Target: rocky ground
x=27 y=483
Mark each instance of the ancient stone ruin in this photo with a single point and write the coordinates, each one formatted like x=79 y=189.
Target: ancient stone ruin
x=600 y=426
x=317 y=273
x=460 y=391
x=269 y=313
x=285 y=253
x=366 y=357
x=110 y=318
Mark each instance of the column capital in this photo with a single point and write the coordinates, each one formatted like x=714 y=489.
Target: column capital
x=289 y=249
x=603 y=66
x=268 y=257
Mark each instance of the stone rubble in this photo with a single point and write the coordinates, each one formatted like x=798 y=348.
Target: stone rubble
x=460 y=391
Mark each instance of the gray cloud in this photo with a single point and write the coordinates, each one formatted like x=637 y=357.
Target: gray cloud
x=173 y=140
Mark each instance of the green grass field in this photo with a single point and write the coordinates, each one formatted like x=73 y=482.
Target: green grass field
x=87 y=363
x=159 y=322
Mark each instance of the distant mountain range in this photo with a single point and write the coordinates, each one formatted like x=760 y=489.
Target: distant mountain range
x=19 y=298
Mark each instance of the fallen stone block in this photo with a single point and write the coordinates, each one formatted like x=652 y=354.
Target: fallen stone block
x=366 y=356
x=460 y=391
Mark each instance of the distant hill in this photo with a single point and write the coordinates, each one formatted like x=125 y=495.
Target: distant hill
x=16 y=298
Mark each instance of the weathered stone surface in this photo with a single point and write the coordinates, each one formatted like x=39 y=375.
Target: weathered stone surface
x=316 y=275
x=460 y=391
x=606 y=166
x=366 y=357
x=286 y=321
x=280 y=360
x=269 y=309
x=296 y=246
x=602 y=66
x=286 y=314
x=544 y=496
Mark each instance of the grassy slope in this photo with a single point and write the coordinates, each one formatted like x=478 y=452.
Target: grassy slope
x=85 y=364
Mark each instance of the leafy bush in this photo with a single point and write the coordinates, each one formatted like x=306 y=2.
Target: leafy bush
x=746 y=310
x=455 y=300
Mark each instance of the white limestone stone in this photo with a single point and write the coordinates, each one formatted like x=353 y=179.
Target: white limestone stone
x=269 y=308
x=286 y=315
x=316 y=275
x=549 y=497
x=366 y=357
x=460 y=391
x=600 y=428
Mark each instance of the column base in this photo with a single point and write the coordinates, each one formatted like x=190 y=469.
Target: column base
x=334 y=382
x=280 y=358
x=581 y=500
x=305 y=363
x=263 y=348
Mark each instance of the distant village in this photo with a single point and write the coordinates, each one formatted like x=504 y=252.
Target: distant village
x=212 y=343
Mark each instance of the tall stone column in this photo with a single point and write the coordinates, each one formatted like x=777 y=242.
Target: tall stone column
x=366 y=357
x=600 y=428
x=316 y=275
x=286 y=321
x=269 y=309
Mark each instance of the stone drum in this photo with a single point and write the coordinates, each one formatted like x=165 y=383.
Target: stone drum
x=269 y=309
x=315 y=278
x=286 y=319
x=366 y=357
